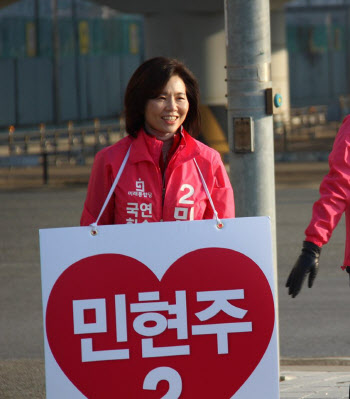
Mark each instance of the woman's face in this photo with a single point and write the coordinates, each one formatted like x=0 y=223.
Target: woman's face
x=167 y=112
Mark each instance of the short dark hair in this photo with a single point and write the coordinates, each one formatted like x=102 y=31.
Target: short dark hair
x=148 y=81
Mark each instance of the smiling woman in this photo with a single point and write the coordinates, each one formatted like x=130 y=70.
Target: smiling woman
x=159 y=172
x=166 y=113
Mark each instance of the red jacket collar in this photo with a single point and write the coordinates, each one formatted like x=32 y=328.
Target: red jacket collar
x=187 y=150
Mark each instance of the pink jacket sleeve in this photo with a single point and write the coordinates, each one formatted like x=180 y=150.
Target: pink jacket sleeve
x=222 y=193
x=100 y=183
x=334 y=190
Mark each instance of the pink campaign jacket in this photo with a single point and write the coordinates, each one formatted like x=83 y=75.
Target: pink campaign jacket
x=334 y=194
x=140 y=195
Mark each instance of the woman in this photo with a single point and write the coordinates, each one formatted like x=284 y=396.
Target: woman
x=326 y=212
x=159 y=163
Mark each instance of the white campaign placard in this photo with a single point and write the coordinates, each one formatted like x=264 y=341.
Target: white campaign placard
x=160 y=310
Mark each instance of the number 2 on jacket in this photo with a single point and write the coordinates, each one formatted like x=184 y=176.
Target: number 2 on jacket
x=181 y=213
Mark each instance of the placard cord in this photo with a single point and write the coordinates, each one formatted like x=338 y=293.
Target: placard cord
x=120 y=171
x=219 y=223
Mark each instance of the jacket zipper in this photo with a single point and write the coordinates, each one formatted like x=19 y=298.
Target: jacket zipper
x=163 y=192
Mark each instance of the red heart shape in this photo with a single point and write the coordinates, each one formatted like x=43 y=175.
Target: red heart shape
x=204 y=372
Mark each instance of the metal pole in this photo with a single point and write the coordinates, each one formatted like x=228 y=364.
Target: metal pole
x=250 y=123
x=37 y=27
x=250 y=127
x=45 y=167
x=76 y=57
x=55 y=62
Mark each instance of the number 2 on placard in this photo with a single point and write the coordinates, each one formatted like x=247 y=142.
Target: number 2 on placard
x=166 y=374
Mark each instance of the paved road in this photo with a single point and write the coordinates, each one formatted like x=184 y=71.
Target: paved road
x=315 y=324
x=326 y=382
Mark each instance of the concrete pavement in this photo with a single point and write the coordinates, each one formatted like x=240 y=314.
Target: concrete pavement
x=24 y=379
x=27 y=206
x=314 y=384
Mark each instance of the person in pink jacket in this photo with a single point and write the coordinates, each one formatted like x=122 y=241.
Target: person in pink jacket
x=160 y=171
x=333 y=202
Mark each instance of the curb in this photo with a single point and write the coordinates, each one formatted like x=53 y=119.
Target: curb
x=315 y=361
x=302 y=156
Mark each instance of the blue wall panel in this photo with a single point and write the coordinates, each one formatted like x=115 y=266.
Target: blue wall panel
x=112 y=79
x=104 y=85
x=35 y=88
x=97 y=86
x=68 y=89
x=7 y=93
x=83 y=87
x=318 y=57
x=129 y=63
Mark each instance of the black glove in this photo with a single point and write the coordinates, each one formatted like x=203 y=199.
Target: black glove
x=306 y=263
x=348 y=270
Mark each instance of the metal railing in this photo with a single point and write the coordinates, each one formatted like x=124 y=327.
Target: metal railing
x=306 y=127
x=70 y=144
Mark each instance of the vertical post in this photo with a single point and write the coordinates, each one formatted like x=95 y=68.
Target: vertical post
x=55 y=62
x=11 y=140
x=329 y=28
x=97 y=134
x=42 y=131
x=37 y=27
x=248 y=78
x=76 y=57
x=45 y=167
x=43 y=151
x=82 y=140
x=70 y=140
x=250 y=123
